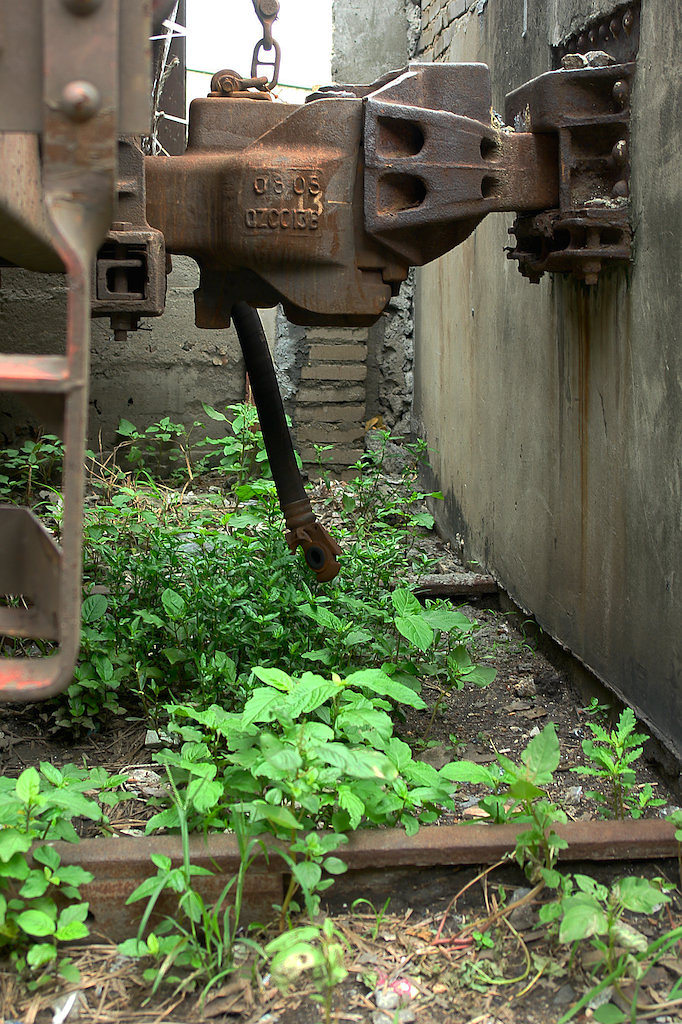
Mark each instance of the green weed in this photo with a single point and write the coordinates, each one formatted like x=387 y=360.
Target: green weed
x=611 y=754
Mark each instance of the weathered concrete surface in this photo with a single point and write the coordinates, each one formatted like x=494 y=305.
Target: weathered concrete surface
x=165 y=369
x=369 y=38
x=554 y=413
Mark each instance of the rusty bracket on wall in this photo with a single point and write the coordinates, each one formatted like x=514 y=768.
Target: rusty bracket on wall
x=588 y=110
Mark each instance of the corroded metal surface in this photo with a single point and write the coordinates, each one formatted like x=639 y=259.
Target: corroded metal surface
x=77 y=104
x=588 y=109
x=119 y=865
x=130 y=270
x=325 y=206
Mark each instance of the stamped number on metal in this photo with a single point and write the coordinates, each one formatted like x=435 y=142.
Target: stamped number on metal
x=286 y=201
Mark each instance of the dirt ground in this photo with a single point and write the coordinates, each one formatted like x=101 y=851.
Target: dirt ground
x=415 y=954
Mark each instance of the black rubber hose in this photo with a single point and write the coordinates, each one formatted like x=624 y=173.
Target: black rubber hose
x=266 y=394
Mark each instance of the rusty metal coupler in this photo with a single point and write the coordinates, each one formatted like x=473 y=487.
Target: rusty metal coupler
x=324 y=207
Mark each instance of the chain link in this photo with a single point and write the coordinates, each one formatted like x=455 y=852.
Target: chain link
x=267 y=11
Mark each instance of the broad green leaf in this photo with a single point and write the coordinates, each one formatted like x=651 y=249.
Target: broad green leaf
x=274 y=677
x=284 y=757
x=310 y=695
x=335 y=866
x=363 y=721
x=71 y=931
x=351 y=803
x=36 y=922
x=52 y=774
x=447 y=620
x=13 y=842
x=608 y=1013
x=399 y=752
x=378 y=682
x=541 y=756
x=357 y=636
x=582 y=918
x=213 y=413
x=481 y=675
x=416 y=630
x=126 y=429
x=308 y=875
x=522 y=789
x=638 y=895
x=358 y=762
x=261 y=706
x=69 y=971
x=41 y=953
x=175 y=655
x=404 y=602
x=204 y=794
x=173 y=603
x=28 y=786
x=469 y=771
x=281 y=817
x=424 y=519
x=94 y=608
x=35 y=885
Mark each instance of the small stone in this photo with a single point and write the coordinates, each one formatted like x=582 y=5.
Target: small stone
x=437 y=756
x=534 y=731
x=525 y=687
x=564 y=996
x=573 y=795
x=386 y=1000
x=68 y=1007
x=524 y=917
x=599 y=59
x=573 y=62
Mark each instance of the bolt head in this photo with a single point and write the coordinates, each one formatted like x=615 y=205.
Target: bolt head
x=621 y=190
x=82 y=7
x=620 y=153
x=621 y=92
x=80 y=100
x=628 y=21
x=614 y=26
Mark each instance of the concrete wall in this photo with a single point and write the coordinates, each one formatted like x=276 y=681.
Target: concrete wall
x=165 y=369
x=554 y=412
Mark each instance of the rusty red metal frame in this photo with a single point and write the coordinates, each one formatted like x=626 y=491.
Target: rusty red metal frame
x=121 y=864
x=76 y=110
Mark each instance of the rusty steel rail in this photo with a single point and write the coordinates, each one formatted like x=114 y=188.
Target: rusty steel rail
x=121 y=864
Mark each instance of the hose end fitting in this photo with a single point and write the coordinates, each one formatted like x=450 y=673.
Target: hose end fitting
x=319 y=547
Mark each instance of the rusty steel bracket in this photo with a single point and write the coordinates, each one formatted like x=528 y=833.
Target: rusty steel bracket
x=130 y=270
x=325 y=206
x=588 y=110
x=78 y=117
